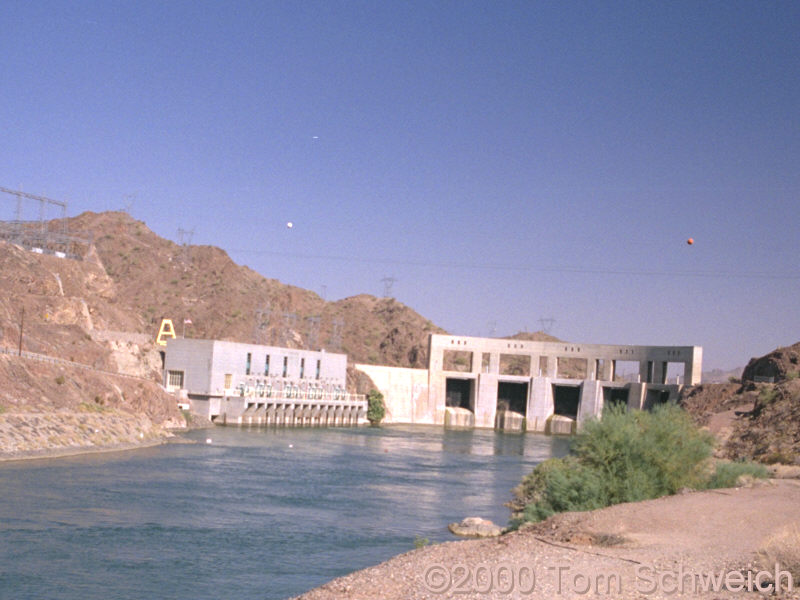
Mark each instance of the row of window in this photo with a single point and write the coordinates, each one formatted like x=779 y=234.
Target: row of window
x=285 y=369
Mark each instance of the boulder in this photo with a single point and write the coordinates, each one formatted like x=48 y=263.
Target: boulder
x=475 y=527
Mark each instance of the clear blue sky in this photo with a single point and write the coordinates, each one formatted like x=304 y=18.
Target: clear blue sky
x=505 y=161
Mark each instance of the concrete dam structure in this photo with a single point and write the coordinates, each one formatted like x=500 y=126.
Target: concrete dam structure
x=519 y=385
x=248 y=384
x=315 y=409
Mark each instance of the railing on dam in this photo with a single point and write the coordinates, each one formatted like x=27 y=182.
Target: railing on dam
x=344 y=398
x=348 y=410
x=289 y=391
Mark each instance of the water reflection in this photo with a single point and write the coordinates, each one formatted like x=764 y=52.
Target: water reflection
x=259 y=513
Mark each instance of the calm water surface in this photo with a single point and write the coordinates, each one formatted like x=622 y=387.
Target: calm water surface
x=261 y=514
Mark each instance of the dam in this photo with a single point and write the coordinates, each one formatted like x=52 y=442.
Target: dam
x=471 y=382
x=519 y=385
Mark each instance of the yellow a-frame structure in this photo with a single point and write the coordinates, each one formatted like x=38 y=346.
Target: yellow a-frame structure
x=167 y=330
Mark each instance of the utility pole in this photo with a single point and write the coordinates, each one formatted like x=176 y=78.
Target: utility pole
x=21 y=325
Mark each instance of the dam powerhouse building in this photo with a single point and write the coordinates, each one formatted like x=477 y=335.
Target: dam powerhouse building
x=250 y=384
x=506 y=384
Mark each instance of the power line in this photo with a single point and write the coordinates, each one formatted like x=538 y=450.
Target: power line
x=530 y=268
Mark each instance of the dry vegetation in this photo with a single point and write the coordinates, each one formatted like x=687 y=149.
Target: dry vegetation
x=782 y=548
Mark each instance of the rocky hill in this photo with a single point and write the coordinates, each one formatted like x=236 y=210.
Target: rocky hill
x=758 y=419
x=103 y=313
x=157 y=278
x=779 y=365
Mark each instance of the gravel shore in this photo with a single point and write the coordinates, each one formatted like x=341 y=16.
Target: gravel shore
x=681 y=546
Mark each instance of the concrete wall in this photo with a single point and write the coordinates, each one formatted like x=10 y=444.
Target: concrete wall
x=405 y=393
x=194 y=358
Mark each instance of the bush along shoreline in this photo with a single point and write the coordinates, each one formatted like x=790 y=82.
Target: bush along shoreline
x=627 y=456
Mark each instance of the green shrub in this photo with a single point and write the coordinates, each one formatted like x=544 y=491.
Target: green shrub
x=376 y=409
x=420 y=542
x=558 y=485
x=625 y=457
x=92 y=408
x=726 y=473
x=645 y=454
x=60 y=380
x=767 y=395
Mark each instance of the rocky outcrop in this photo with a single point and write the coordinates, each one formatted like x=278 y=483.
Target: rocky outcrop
x=778 y=365
x=770 y=433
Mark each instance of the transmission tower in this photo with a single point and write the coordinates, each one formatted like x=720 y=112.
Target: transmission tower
x=185 y=240
x=261 y=327
x=492 y=328
x=388 y=282
x=129 y=198
x=547 y=324
x=289 y=320
x=44 y=239
x=312 y=333
x=337 y=327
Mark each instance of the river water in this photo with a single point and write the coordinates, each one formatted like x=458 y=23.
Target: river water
x=261 y=514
